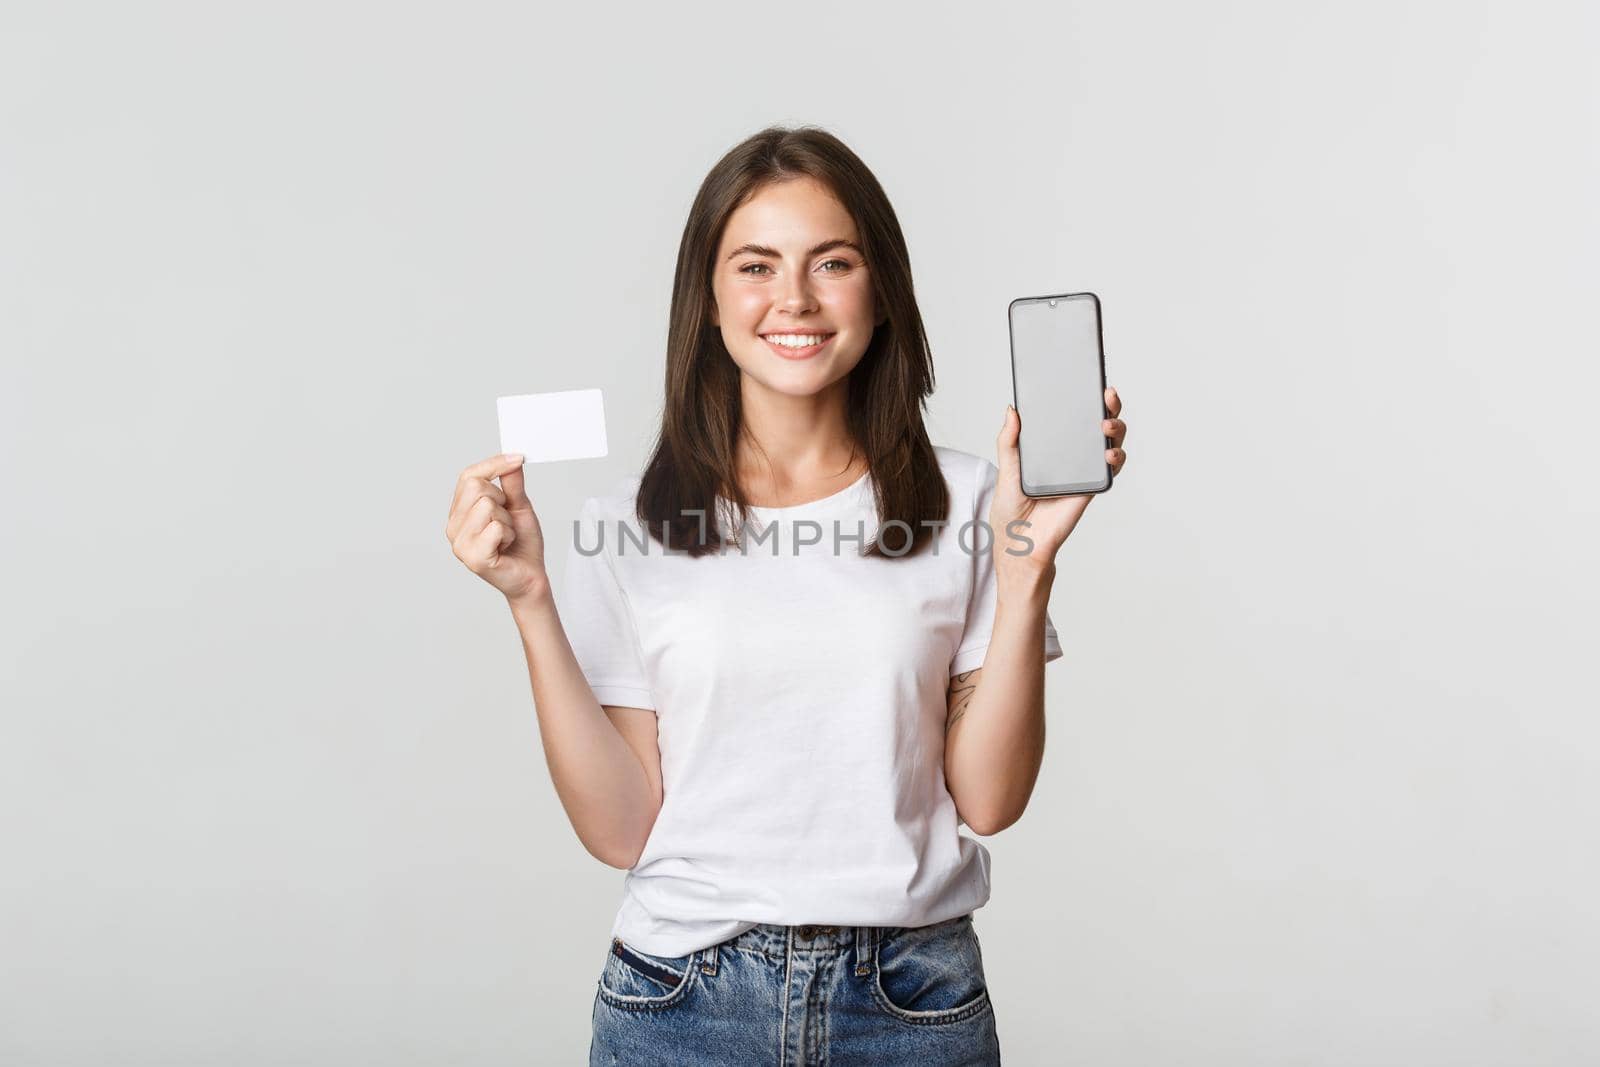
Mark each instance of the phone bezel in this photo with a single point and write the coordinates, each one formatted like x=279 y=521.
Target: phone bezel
x=1070 y=488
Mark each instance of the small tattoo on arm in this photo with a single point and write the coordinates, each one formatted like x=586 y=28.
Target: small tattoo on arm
x=962 y=687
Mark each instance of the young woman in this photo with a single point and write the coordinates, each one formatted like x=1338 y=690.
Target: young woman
x=795 y=654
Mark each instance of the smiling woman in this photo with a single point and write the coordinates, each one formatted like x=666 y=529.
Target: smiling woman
x=781 y=747
x=796 y=707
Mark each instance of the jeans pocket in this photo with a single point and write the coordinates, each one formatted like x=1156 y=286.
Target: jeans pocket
x=930 y=975
x=640 y=981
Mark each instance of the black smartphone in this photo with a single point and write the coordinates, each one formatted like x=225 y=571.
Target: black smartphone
x=1058 y=386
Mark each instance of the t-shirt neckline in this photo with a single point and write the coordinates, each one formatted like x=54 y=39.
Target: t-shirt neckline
x=821 y=504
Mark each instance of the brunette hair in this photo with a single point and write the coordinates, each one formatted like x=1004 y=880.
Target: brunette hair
x=693 y=459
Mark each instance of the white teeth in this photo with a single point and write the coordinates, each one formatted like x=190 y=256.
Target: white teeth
x=797 y=340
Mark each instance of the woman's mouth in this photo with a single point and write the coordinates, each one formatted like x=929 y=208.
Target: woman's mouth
x=797 y=345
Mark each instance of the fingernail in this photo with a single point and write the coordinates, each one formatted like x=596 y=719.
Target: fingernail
x=518 y=456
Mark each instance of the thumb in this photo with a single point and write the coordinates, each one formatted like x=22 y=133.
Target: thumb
x=516 y=492
x=1005 y=445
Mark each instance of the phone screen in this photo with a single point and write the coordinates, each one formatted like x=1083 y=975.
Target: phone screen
x=1058 y=382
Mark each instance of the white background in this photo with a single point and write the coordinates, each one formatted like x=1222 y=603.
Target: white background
x=1321 y=784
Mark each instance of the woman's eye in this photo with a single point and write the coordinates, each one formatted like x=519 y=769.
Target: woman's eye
x=750 y=268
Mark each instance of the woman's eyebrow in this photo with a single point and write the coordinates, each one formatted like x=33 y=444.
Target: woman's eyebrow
x=763 y=250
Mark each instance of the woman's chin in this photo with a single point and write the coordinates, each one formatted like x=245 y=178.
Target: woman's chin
x=796 y=383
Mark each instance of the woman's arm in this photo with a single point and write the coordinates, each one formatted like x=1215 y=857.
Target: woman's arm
x=994 y=733
x=994 y=730
x=604 y=761
x=606 y=767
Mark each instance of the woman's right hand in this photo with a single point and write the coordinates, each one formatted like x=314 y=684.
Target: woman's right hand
x=494 y=531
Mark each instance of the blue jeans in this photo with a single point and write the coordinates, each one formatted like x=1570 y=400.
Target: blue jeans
x=801 y=996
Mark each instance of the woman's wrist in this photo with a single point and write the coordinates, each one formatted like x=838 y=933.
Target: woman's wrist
x=1024 y=581
x=536 y=599
x=1024 y=575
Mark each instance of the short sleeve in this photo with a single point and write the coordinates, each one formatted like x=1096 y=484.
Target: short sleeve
x=974 y=644
x=598 y=621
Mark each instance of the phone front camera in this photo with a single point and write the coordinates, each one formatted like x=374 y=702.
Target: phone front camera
x=1052 y=303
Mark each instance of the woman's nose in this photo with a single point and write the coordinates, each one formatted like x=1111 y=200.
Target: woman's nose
x=797 y=293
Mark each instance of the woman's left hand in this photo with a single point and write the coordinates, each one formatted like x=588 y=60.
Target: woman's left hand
x=1051 y=519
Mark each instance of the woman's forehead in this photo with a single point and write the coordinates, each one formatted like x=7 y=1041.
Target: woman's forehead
x=801 y=211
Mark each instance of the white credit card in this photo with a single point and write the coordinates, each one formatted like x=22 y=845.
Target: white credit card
x=550 y=426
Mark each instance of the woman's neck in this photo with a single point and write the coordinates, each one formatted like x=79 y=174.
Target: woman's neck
x=795 y=446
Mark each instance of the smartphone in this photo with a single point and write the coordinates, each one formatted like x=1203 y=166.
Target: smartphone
x=1058 y=386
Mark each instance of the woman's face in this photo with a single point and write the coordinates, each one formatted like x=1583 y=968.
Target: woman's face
x=788 y=265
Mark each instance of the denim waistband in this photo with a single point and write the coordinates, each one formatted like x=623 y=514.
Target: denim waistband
x=777 y=941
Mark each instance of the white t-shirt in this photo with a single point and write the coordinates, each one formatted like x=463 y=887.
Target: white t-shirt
x=801 y=695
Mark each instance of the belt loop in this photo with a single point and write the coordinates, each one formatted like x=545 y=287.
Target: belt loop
x=708 y=960
x=863 y=950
